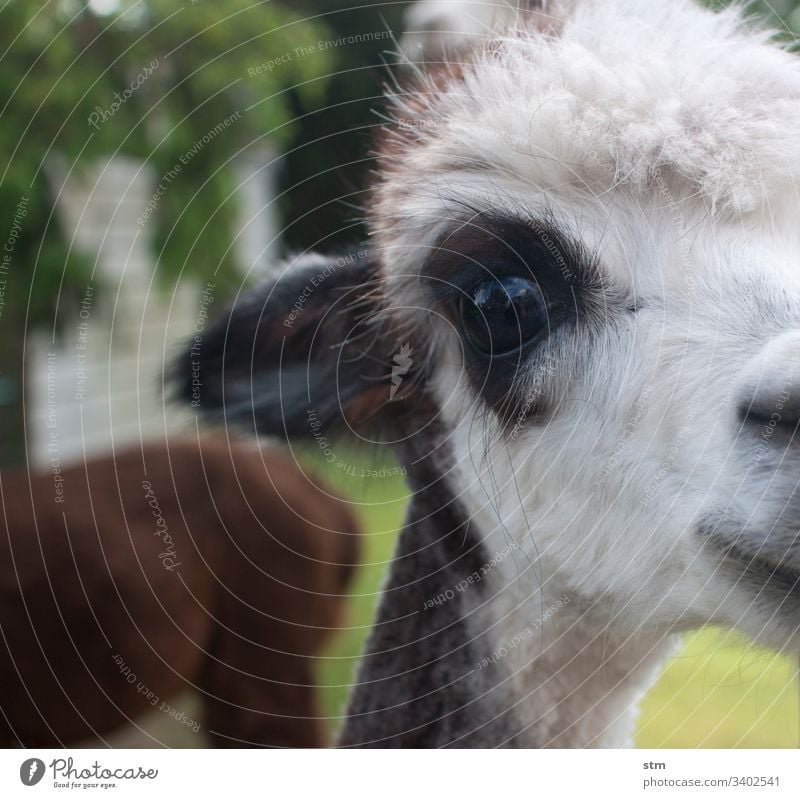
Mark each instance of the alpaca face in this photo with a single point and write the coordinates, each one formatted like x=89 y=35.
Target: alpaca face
x=594 y=234
x=622 y=411
x=585 y=272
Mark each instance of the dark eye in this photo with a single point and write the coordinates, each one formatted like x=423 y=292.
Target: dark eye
x=504 y=314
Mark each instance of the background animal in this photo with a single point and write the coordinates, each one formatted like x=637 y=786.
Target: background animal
x=584 y=242
x=203 y=564
x=436 y=28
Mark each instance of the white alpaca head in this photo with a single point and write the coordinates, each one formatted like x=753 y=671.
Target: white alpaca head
x=627 y=171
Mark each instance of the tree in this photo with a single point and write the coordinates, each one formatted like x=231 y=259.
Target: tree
x=161 y=80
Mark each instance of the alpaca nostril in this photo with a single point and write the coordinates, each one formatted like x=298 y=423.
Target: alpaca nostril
x=780 y=412
x=769 y=386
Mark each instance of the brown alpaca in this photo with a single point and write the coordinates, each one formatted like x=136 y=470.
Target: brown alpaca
x=205 y=565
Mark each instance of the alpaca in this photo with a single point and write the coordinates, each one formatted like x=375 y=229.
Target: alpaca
x=197 y=564
x=435 y=26
x=584 y=241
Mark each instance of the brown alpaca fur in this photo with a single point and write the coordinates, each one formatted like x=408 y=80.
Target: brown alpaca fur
x=236 y=605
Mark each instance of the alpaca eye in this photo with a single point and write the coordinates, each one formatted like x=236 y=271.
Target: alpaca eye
x=502 y=315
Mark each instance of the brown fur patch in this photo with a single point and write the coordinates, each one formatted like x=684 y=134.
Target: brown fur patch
x=237 y=603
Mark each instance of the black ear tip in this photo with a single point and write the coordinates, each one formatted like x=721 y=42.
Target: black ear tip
x=224 y=370
x=195 y=375
x=276 y=353
x=190 y=379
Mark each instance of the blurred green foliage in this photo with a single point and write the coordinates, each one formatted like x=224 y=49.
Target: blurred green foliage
x=778 y=13
x=154 y=79
x=151 y=79
x=63 y=61
x=325 y=182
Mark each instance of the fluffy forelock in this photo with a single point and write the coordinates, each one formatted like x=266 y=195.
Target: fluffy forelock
x=609 y=94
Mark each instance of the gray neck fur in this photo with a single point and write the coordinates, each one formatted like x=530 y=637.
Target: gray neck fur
x=448 y=664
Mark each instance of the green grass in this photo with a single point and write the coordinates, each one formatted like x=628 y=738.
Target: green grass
x=718 y=692
x=722 y=692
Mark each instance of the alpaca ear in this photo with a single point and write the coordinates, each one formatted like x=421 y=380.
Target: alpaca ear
x=302 y=352
x=436 y=28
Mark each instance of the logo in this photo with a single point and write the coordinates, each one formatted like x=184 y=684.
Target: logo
x=402 y=365
x=31 y=772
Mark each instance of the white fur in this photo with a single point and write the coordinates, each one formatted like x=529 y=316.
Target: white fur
x=665 y=138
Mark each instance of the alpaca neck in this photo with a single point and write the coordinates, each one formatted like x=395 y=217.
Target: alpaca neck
x=434 y=674
x=573 y=684
x=461 y=662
